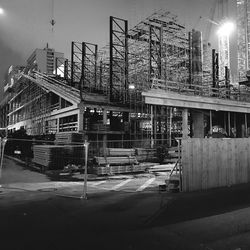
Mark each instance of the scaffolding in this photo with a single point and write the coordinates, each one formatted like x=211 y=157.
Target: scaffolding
x=243 y=38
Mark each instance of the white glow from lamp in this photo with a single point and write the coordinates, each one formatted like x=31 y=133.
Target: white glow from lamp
x=226 y=28
x=1 y=11
x=131 y=86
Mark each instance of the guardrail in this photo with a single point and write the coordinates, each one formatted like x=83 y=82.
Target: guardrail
x=221 y=92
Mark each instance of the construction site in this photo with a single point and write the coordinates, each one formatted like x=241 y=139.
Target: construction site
x=157 y=93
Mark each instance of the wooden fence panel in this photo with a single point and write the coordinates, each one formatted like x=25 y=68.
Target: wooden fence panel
x=216 y=162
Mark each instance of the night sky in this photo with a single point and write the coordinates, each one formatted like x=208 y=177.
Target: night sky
x=26 y=23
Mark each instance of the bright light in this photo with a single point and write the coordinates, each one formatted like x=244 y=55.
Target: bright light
x=1 y=11
x=131 y=86
x=226 y=28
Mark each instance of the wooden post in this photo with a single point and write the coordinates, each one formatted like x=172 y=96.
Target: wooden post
x=229 y=124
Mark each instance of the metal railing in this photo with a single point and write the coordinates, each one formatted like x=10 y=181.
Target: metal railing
x=221 y=92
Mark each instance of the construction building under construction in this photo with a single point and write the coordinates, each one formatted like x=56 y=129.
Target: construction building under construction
x=150 y=84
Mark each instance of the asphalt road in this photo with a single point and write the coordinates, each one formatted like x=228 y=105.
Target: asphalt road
x=116 y=219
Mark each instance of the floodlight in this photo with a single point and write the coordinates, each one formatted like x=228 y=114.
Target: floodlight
x=226 y=28
x=131 y=86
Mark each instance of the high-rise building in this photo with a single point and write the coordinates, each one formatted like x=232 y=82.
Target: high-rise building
x=243 y=37
x=43 y=60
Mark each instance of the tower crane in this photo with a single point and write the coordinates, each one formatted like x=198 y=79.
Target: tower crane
x=210 y=22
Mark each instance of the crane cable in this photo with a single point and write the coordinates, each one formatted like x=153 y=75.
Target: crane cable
x=52 y=21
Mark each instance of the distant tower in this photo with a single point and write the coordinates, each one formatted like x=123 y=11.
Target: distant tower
x=223 y=39
x=243 y=37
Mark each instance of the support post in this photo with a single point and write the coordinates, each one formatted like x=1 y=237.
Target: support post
x=185 y=123
x=86 y=146
x=105 y=135
x=246 y=135
x=152 y=126
x=198 y=124
x=211 y=121
x=229 y=123
x=2 y=146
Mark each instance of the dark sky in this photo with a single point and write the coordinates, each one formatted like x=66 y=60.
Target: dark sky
x=25 y=25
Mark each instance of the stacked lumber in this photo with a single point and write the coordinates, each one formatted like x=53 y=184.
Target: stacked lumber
x=54 y=157
x=69 y=138
x=120 y=152
x=122 y=160
x=118 y=161
x=145 y=154
x=119 y=169
x=48 y=156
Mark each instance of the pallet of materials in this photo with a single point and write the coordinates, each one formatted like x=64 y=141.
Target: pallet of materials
x=69 y=138
x=48 y=156
x=121 y=160
x=57 y=156
x=120 y=152
x=119 y=169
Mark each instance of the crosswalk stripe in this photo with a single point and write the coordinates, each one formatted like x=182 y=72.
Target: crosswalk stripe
x=146 y=184
x=121 y=184
x=97 y=183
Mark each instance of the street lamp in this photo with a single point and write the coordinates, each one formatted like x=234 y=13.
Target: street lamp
x=226 y=28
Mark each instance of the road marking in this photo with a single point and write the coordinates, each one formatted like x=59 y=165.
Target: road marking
x=97 y=183
x=146 y=184
x=121 y=184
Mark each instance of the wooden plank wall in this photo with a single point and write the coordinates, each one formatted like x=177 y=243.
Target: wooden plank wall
x=217 y=162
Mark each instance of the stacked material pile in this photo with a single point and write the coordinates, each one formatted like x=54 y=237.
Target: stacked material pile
x=120 y=152
x=69 y=138
x=117 y=161
x=54 y=157
x=146 y=154
x=49 y=156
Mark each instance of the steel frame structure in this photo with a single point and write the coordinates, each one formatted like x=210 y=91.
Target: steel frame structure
x=89 y=65
x=118 y=64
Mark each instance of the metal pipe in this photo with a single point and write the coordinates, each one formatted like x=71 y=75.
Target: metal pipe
x=86 y=145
